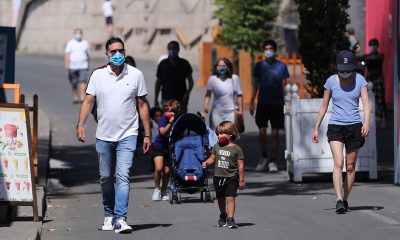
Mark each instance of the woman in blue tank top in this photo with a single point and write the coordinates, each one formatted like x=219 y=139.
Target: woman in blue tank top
x=345 y=128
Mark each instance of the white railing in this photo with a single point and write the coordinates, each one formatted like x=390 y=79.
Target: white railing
x=304 y=156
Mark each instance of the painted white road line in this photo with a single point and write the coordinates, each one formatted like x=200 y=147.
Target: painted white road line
x=380 y=217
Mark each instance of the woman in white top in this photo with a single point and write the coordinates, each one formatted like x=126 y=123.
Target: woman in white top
x=227 y=93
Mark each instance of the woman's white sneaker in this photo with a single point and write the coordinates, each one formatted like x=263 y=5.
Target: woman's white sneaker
x=156 y=195
x=261 y=164
x=164 y=196
x=107 y=225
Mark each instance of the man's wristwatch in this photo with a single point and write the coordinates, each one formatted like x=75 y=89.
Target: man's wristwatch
x=79 y=125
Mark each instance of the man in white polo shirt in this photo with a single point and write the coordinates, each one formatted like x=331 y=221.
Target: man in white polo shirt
x=116 y=88
x=76 y=61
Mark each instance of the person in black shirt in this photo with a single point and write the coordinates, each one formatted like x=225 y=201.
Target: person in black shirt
x=172 y=74
x=374 y=74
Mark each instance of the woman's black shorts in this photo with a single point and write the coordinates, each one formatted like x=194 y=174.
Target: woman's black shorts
x=226 y=186
x=350 y=135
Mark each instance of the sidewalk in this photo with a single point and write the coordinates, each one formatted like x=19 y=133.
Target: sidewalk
x=271 y=207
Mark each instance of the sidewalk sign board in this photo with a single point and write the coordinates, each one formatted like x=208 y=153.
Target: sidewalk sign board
x=17 y=181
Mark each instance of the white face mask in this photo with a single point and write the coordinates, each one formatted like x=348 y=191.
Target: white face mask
x=345 y=74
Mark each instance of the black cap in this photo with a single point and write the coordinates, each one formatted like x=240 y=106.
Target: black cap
x=345 y=61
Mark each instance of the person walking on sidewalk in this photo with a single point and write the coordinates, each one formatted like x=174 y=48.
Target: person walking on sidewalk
x=270 y=77
x=76 y=61
x=172 y=74
x=374 y=63
x=172 y=109
x=229 y=172
x=345 y=128
x=108 y=13
x=116 y=88
x=227 y=93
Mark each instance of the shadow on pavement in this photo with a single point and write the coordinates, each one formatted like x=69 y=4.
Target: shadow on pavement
x=359 y=208
x=149 y=226
x=78 y=165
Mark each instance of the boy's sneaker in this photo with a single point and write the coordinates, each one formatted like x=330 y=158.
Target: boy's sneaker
x=230 y=223
x=108 y=225
x=222 y=220
x=121 y=226
x=340 y=208
x=164 y=196
x=261 y=164
x=272 y=167
x=156 y=195
x=346 y=206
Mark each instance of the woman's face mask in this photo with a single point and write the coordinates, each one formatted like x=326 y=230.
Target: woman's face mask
x=222 y=70
x=345 y=74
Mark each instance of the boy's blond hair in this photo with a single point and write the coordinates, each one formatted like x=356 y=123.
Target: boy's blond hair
x=227 y=127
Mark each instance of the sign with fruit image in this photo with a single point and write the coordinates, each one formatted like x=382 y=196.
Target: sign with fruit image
x=15 y=164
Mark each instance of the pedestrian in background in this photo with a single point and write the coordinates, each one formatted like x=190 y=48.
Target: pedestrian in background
x=345 y=128
x=373 y=63
x=172 y=109
x=108 y=12
x=174 y=78
x=354 y=44
x=269 y=80
x=116 y=88
x=229 y=172
x=227 y=93
x=130 y=60
x=76 y=61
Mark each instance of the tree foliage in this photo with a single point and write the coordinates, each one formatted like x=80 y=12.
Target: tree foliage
x=321 y=35
x=246 y=24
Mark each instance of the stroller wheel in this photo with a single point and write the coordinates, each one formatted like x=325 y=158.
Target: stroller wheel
x=171 y=198
x=178 y=198
x=209 y=197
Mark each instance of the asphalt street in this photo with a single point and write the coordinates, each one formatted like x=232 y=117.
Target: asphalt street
x=271 y=207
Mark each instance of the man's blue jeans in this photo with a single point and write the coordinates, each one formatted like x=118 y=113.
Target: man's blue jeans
x=115 y=158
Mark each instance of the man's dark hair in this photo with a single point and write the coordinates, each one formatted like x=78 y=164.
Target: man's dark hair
x=270 y=42
x=114 y=40
x=173 y=45
x=373 y=42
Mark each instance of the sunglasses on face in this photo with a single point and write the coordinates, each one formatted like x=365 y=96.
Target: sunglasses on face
x=345 y=71
x=117 y=50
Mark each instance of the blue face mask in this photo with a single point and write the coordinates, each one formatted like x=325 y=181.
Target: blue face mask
x=78 y=37
x=222 y=70
x=117 y=59
x=173 y=53
x=373 y=48
x=269 y=53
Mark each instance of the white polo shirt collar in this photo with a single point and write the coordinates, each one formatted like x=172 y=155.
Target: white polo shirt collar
x=123 y=72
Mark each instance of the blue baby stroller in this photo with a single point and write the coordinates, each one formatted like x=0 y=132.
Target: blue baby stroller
x=189 y=148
